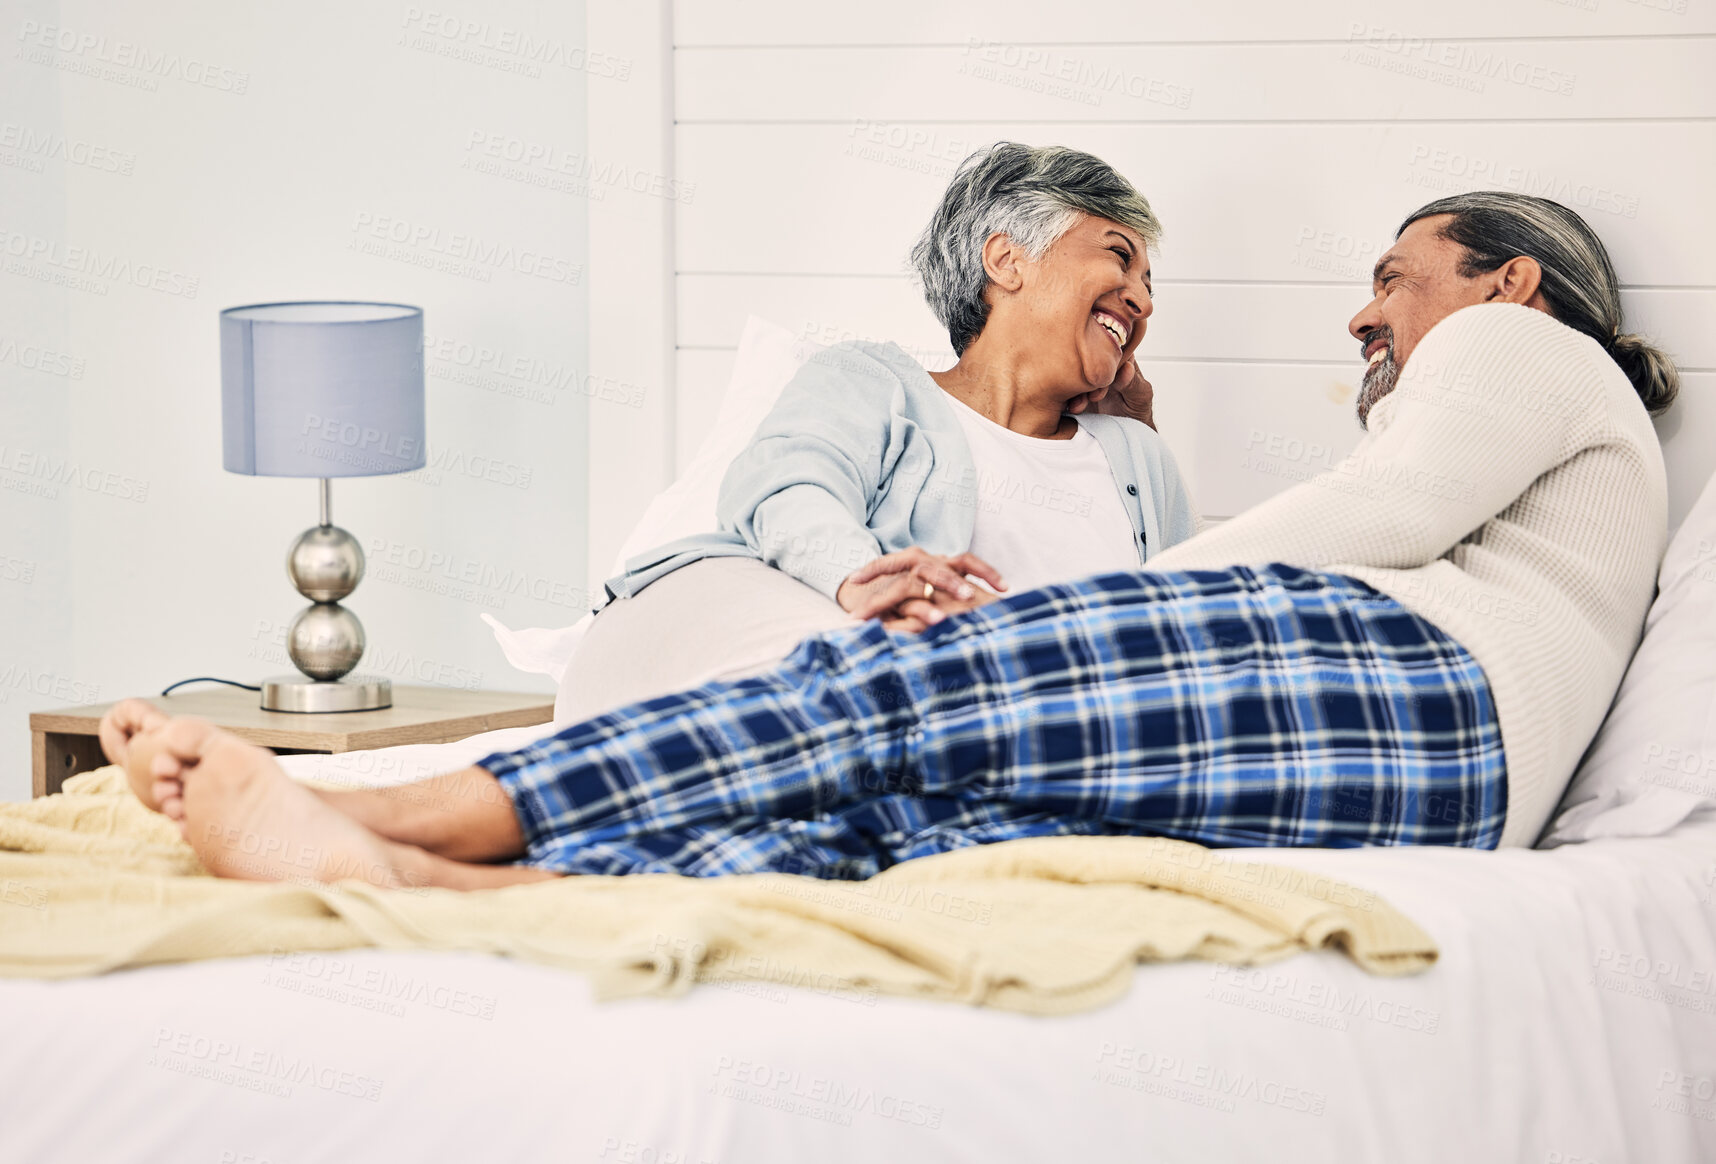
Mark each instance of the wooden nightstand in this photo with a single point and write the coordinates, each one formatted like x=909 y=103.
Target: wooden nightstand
x=64 y=743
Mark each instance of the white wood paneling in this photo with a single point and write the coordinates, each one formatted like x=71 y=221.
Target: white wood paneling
x=1281 y=145
x=907 y=22
x=1341 y=81
x=1688 y=433
x=1681 y=319
x=822 y=309
x=1250 y=202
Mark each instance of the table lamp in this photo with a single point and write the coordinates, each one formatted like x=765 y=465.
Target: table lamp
x=323 y=390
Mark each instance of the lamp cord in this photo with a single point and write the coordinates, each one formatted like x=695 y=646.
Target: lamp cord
x=207 y=679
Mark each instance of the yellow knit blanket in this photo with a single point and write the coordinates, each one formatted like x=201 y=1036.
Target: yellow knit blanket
x=92 y=881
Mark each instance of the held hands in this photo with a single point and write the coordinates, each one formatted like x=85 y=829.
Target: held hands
x=1130 y=395
x=913 y=589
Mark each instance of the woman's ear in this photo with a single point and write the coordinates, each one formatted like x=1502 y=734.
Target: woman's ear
x=1515 y=281
x=1003 y=262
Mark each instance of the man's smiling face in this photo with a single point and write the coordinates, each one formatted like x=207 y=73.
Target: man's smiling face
x=1417 y=284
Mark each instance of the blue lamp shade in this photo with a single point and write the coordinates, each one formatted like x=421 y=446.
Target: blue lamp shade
x=322 y=389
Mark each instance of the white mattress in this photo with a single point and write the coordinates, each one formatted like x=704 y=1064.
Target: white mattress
x=1572 y=1019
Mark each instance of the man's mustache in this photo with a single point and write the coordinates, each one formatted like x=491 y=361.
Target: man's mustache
x=1383 y=333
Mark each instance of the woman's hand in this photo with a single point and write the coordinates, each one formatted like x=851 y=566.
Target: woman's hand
x=1130 y=395
x=912 y=589
x=946 y=604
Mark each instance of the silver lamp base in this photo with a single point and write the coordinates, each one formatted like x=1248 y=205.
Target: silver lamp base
x=300 y=693
x=326 y=640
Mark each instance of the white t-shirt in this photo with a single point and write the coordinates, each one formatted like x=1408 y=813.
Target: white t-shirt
x=1047 y=510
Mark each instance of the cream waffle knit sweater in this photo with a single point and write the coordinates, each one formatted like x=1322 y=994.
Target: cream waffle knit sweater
x=1510 y=491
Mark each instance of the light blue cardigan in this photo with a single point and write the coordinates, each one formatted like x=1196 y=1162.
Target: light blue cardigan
x=863 y=455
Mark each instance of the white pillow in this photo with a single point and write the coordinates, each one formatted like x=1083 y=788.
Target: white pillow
x=1653 y=762
x=768 y=356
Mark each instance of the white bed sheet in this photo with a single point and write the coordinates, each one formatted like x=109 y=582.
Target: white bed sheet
x=1572 y=1019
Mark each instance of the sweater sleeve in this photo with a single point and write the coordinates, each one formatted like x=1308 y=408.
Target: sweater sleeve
x=1491 y=399
x=800 y=493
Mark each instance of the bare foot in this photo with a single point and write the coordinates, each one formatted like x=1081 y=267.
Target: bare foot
x=247 y=819
x=128 y=737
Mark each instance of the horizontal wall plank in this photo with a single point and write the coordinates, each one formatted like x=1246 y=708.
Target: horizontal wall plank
x=1688 y=434
x=712 y=309
x=742 y=22
x=1244 y=432
x=1293 y=203
x=1682 y=321
x=1341 y=81
x=1196 y=321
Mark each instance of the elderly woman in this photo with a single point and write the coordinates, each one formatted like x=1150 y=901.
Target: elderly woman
x=873 y=483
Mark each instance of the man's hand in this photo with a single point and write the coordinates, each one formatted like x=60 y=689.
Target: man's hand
x=912 y=589
x=1130 y=395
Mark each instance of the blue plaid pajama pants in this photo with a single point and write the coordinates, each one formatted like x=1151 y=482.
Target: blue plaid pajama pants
x=1245 y=706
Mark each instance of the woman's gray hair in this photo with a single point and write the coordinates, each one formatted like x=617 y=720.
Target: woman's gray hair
x=1031 y=194
x=1579 y=282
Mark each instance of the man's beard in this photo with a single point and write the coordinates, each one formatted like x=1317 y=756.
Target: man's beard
x=1379 y=378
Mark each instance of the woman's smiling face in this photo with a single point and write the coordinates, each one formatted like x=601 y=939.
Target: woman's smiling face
x=1084 y=303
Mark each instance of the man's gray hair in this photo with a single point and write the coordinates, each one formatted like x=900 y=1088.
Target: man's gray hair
x=1579 y=282
x=1031 y=194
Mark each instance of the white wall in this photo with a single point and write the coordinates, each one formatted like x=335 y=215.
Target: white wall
x=1280 y=144
x=256 y=146
x=704 y=159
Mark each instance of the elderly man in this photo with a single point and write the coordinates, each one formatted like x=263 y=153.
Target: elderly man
x=1420 y=661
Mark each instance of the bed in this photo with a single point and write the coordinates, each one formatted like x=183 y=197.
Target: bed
x=1571 y=1018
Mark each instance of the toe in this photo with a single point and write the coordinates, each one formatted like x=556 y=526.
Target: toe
x=165 y=767
x=188 y=737
x=169 y=798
